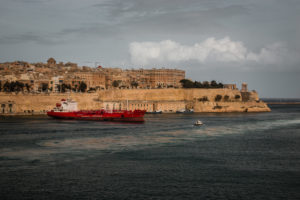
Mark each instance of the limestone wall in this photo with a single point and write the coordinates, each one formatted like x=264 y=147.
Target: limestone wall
x=165 y=94
x=167 y=100
x=231 y=107
x=40 y=103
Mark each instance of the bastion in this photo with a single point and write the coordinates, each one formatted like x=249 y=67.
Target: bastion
x=166 y=100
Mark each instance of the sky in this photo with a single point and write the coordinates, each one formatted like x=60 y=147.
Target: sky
x=231 y=41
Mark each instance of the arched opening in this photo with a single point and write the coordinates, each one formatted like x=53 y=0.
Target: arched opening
x=10 y=108
x=3 y=108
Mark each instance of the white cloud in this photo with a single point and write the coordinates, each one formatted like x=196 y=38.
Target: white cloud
x=210 y=50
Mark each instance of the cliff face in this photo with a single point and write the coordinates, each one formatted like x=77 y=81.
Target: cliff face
x=167 y=100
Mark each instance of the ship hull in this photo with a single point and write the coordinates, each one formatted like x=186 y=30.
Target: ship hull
x=117 y=116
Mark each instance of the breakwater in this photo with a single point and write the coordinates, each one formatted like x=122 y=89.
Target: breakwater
x=167 y=100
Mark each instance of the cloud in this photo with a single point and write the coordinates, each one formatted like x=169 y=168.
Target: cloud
x=209 y=50
x=46 y=39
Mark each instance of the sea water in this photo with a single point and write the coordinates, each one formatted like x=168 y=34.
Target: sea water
x=232 y=156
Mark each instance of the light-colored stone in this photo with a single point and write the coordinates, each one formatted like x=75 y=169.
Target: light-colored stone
x=167 y=100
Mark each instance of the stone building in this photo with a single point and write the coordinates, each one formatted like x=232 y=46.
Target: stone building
x=145 y=78
x=166 y=77
x=244 y=87
x=55 y=82
x=95 y=80
x=7 y=107
x=51 y=62
x=230 y=86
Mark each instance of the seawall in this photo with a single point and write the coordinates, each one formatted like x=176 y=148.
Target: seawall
x=167 y=100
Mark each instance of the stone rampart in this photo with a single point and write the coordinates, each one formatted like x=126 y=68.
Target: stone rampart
x=166 y=94
x=40 y=103
x=167 y=100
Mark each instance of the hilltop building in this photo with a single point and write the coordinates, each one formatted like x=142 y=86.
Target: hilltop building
x=52 y=76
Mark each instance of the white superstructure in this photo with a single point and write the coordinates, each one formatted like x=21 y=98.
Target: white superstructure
x=66 y=106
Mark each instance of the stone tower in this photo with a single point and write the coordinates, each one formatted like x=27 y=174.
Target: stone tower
x=244 y=87
x=51 y=62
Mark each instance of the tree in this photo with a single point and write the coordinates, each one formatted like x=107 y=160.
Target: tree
x=19 y=86
x=12 y=86
x=198 y=84
x=6 y=87
x=206 y=84
x=214 y=84
x=58 y=88
x=75 y=89
x=220 y=85
x=64 y=87
x=134 y=84
x=27 y=87
x=116 y=83
x=68 y=86
x=186 y=83
x=218 y=97
x=82 y=87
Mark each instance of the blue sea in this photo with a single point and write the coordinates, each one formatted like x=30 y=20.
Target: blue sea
x=233 y=156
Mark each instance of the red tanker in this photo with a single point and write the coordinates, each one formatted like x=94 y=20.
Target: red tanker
x=67 y=109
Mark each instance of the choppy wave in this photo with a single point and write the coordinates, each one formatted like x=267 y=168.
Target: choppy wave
x=131 y=137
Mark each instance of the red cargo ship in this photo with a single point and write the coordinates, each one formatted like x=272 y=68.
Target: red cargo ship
x=67 y=109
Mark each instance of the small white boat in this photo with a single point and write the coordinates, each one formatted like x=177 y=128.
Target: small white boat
x=198 y=123
x=155 y=112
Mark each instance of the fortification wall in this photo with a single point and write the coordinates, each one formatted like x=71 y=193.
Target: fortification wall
x=254 y=106
x=40 y=103
x=166 y=94
x=167 y=100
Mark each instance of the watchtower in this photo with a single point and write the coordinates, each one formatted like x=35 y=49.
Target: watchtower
x=244 y=87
